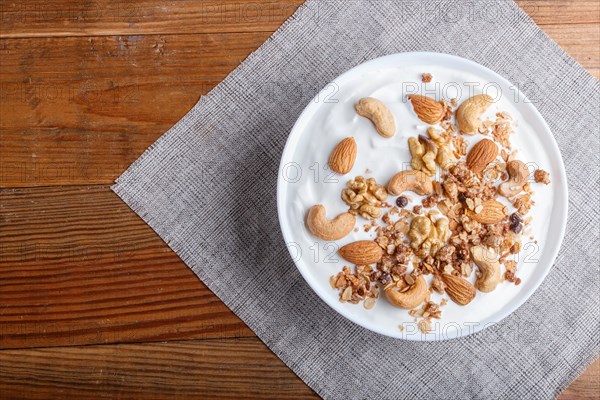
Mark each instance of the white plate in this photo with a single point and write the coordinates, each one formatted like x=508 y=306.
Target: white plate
x=304 y=181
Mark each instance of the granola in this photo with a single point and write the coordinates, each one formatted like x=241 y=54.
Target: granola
x=541 y=176
x=437 y=238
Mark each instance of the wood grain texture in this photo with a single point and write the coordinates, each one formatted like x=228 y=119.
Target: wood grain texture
x=60 y=18
x=225 y=368
x=582 y=42
x=78 y=111
x=561 y=12
x=211 y=369
x=586 y=387
x=86 y=123
x=77 y=266
x=85 y=87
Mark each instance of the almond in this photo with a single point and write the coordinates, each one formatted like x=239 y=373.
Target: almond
x=427 y=109
x=458 y=289
x=483 y=153
x=362 y=253
x=343 y=156
x=492 y=212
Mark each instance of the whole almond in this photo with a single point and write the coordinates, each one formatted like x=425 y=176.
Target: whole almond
x=483 y=153
x=362 y=253
x=427 y=109
x=458 y=289
x=342 y=158
x=492 y=212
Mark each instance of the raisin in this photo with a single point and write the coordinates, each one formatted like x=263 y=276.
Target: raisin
x=462 y=197
x=516 y=223
x=516 y=228
x=515 y=218
x=401 y=201
x=385 y=279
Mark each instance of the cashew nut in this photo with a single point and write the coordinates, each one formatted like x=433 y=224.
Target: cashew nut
x=489 y=268
x=411 y=298
x=321 y=227
x=379 y=114
x=415 y=181
x=518 y=176
x=468 y=115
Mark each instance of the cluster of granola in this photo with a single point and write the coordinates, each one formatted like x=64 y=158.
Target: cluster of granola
x=463 y=195
x=397 y=253
x=463 y=212
x=356 y=287
x=428 y=311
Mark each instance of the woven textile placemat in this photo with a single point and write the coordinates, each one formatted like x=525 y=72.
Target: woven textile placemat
x=208 y=188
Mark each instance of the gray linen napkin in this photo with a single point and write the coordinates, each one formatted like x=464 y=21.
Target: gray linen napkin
x=208 y=187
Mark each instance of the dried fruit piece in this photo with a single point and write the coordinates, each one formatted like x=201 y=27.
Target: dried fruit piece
x=427 y=109
x=321 y=227
x=402 y=201
x=363 y=252
x=379 y=114
x=516 y=223
x=343 y=156
x=483 y=153
x=491 y=212
x=468 y=115
x=458 y=289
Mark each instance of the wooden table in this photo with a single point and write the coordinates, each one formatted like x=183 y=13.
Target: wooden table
x=92 y=303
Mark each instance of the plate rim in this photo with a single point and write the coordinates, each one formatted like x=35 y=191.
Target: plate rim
x=564 y=196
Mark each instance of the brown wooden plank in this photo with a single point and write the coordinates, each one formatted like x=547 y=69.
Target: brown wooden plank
x=223 y=368
x=40 y=18
x=85 y=124
x=212 y=369
x=77 y=266
x=563 y=12
x=545 y=12
x=80 y=110
x=582 y=42
x=586 y=387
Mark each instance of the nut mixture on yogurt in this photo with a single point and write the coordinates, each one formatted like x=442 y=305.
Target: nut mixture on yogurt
x=461 y=238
